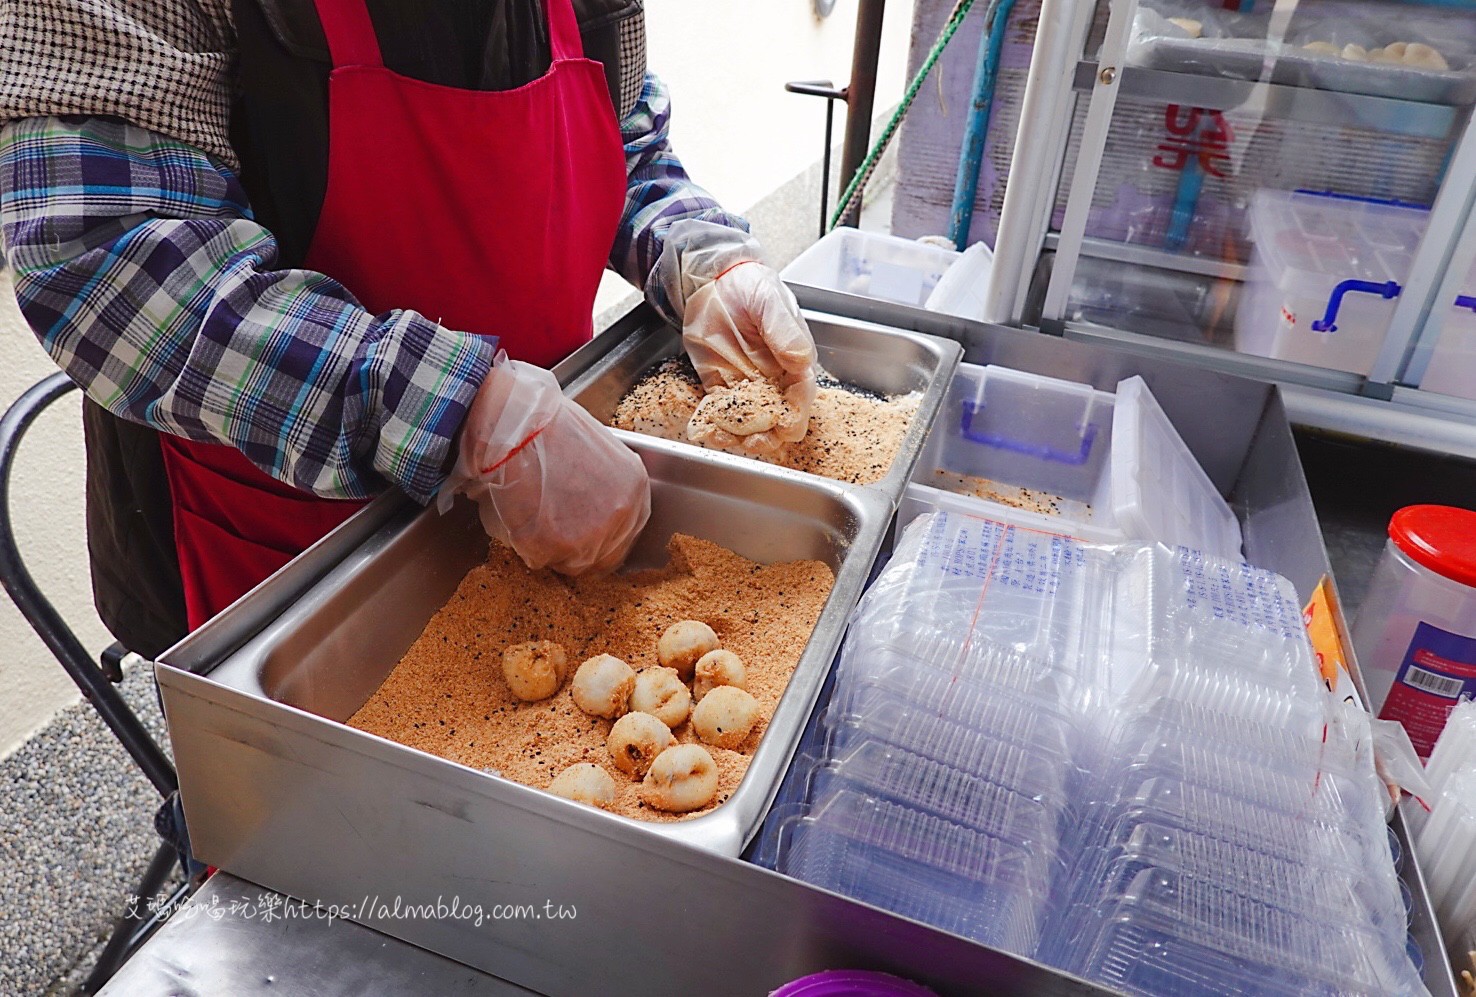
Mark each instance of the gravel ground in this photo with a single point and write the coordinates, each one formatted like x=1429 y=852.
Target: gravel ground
x=76 y=832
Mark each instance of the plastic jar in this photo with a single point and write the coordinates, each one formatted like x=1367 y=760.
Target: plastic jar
x=1415 y=635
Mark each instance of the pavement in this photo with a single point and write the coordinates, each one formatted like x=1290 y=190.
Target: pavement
x=76 y=832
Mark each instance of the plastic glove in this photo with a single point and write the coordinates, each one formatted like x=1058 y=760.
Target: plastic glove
x=549 y=480
x=739 y=321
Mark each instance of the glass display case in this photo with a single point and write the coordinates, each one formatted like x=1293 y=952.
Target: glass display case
x=1278 y=189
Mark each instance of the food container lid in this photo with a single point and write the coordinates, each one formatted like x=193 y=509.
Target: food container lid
x=1439 y=537
x=852 y=983
x=1310 y=241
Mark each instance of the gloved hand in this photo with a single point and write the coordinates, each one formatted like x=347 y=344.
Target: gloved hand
x=739 y=321
x=550 y=481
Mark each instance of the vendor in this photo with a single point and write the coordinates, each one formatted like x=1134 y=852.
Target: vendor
x=297 y=251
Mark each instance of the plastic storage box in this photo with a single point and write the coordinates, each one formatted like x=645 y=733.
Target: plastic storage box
x=1066 y=458
x=1035 y=444
x=1452 y=369
x=871 y=265
x=1324 y=277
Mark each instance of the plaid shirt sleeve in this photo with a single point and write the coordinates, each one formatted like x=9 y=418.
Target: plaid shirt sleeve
x=141 y=271
x=658 y=194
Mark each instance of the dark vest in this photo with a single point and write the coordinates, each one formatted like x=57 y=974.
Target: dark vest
x=279 y=127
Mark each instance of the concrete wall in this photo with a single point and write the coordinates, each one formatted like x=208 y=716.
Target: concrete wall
x=739 y=133
x=46 y=503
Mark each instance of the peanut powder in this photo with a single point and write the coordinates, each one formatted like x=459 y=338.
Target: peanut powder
x=448 y=696
x=1015 y=496
x=854 y=435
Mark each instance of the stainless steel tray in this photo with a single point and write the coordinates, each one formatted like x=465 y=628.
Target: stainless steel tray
x=328 y=653
x=886 y=361
x=1245 y=59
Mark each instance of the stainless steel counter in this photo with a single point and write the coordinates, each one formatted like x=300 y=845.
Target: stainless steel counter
x=289 y=818
x=234 y=937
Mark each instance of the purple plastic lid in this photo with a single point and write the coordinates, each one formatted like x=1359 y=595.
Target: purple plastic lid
x=852 y=983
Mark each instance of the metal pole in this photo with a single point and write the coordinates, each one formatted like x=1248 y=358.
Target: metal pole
x=1089 y=159
x=826 y=89
x=966 y=185
x=825 y=166
x=860 y=95
x=1453 y=203
x=1040 y=149
x=131 y=924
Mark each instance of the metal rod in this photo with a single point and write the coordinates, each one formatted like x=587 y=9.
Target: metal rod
x=1455 y=202
x=1035 y=162
x=826 y=89
x=966 y=184
x=42 y=615
x=825 y=166
x=128 y=930
x=860 y=95
x=1456 y=278
x=1089 y=158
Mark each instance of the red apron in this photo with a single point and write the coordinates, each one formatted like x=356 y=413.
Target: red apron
x=491 y=212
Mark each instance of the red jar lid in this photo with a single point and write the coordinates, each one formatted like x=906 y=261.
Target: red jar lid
x=1440 y=537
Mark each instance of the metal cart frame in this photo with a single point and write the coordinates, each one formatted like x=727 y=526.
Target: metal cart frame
x=97 y=681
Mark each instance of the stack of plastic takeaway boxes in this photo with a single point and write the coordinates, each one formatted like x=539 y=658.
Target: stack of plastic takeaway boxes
x=1107 y=757
x=1446 y=839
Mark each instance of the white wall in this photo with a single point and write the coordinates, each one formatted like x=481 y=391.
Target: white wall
x=46 y=504
x=738 y=132
x=734 y=126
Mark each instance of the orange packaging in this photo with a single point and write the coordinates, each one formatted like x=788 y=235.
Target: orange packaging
x=1327 y=640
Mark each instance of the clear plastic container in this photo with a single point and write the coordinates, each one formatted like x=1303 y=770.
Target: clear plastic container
x=1228 y=693
x=964 y=286
x=920 y=866
x=1169 y=933
x=920 y=500
x=1035 y=444
x=1452 y=369
x=936 y=727
x=1065 y=749
x=890 y=773
x=1259 y=746
x=1207 y=811
x=872 y=265
x=1062 y=457
x=1159 y=491
x=1296 y=738
x=1415 y=634
x=1304 y=789
x=984 y=580
x=1329 y=891
x=1324 y=277
x=900 y=660
x=955 y=691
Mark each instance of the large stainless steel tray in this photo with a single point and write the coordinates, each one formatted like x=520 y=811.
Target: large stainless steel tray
x=330 y=651
x=886 y=361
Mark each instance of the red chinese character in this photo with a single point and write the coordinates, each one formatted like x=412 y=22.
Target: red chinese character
x=1196 y=133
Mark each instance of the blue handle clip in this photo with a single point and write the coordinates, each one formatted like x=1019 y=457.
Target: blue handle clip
x=1467 y=301
x=1329 y=323
x=970 y=409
